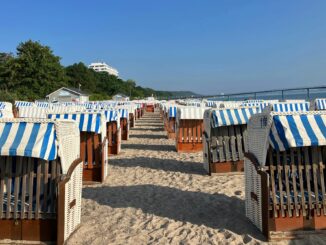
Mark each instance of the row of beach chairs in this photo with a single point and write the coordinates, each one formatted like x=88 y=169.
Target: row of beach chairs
x=46 y=153
x=280 y=146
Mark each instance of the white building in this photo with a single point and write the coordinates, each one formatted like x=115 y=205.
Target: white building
x=101 y=66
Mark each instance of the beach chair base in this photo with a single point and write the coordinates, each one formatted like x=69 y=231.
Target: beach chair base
x=29 y=230
x=124 y=129
x=189 y=147
x=131 y=120
x=226 y=167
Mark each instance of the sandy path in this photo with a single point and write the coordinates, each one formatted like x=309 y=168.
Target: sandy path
x=154 y=195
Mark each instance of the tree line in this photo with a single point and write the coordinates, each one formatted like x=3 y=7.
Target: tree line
x=35 y=71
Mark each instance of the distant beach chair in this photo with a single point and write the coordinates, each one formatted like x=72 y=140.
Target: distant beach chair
x=93 y=143
x=189 y=129
x=40 y=179
x=318 y=104
x=225 y=138
x=284 y=173
x=149 y=107
x=113 y=134
x=6 y=110
x=124 y=123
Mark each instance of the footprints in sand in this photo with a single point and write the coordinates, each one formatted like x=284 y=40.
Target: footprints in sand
x=154 y=195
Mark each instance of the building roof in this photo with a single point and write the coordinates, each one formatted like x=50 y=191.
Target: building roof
x=120 y=95
x=73 y=90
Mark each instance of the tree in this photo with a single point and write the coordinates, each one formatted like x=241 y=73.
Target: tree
x=36 y=71
x=78 y=73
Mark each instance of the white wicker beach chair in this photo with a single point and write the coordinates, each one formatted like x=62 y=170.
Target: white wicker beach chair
x=40 y=179
x=284 y=172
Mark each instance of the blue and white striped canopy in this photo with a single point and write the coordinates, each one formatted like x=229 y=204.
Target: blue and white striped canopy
x=42 y=104
x=2 y=105
x=288 y=107
x=261 y=105
x=23 y=103
x=111 y=115
x=30 y=139
x=320 y=104
x=87 y=122
x=123 y=113
x=297 y=130
x=172 y=111
x=238 y=116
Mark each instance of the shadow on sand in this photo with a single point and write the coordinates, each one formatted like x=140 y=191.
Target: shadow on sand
x=148 y=136
x=217 y=211
x=160 y=164
x=158 y=129
x=149 y=147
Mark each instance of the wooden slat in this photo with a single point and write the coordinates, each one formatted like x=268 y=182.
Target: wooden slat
x=226 y=140
x=19 y=164
x=2 y=182
x=109 y=133
x=303 y=198
x=315 y=177
x=307 y=172
x=52 y=185
x=83 y=147
x=286 y=169
x=272 y=169
x=89 y=145
x=45 y=184
x=294 y=183
x=97 y=150
x=30 y=187
x=232 y=143
x=322 y=179
x=220 y=145
x=244 y=137
x=280 y=185
x=24 y=184
x=201 y=130
x=239 y=142
x=38 y=189
x=184 y=128
x=9 y=176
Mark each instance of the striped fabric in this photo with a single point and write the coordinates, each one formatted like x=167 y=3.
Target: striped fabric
x=191 y=112
x=111 y=115
x=261 y=105
x=87 y=122
x=288 y=107
x=30 y=139
x=6 y=110
x=172 y=111
x=229 y=117
x=42 y=104
x=320 y=104
x=297 y=130
x=124 y=113
x=33 y=112
x=23 y=103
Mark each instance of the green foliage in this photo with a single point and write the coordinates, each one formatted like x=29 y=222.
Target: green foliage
x=36 y=72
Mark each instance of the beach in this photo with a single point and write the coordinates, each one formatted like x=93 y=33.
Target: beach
x=154 y=195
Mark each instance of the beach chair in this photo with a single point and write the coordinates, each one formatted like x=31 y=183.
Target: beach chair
x=40 y=180
x=225 y=139
x=284 y=173
x=113 y=134
x=171 y=122
x=124 y=123
x=150 y=107
x=93 y=143
x=6 y=110
x=318 y=105
x=189 y=129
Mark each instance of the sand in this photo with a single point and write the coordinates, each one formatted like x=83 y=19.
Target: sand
x=154 y=195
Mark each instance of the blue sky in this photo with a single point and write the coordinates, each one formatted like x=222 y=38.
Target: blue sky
x=207 y=46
